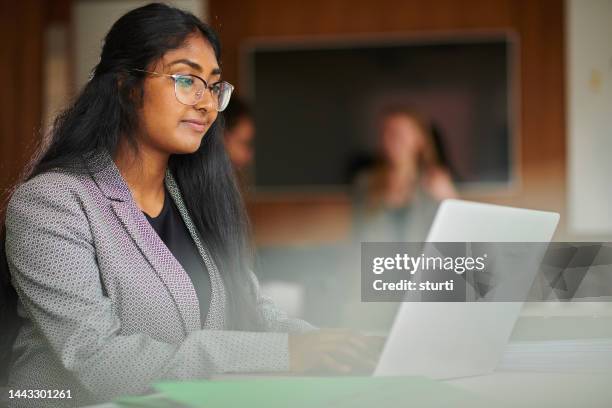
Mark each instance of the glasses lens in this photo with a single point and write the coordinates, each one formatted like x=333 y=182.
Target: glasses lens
x=188 y=89
x=225 y=93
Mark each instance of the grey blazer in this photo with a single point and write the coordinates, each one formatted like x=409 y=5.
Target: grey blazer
x=108 y=308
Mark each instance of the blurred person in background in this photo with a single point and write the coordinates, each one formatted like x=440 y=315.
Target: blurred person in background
x=238 y=137
x=396 y=198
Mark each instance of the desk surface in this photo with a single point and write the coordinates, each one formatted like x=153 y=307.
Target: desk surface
x=532 y=389
x=542 y=389
x=520 y=389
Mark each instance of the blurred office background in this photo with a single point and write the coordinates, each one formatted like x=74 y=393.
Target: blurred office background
x=518 y=96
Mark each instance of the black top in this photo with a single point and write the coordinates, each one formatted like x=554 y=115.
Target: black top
x=172 y=230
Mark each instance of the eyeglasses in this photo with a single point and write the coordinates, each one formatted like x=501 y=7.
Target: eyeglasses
x=189 y=89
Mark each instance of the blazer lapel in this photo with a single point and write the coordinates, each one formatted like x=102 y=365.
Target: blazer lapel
x=167 y=268
x=215 y=319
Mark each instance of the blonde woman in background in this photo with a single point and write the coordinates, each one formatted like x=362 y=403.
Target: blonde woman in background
x=396 y=199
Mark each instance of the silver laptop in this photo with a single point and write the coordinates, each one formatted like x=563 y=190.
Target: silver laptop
x=451 y=339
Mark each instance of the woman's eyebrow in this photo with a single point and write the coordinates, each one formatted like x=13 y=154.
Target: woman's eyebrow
x=194 y=65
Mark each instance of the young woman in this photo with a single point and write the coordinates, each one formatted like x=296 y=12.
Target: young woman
x=238 y=138
x=239 y=134
x=126 y=241
x=396 y=199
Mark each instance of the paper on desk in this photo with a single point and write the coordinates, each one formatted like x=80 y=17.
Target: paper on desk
x=581 y=355
x=148 y=401
x=318 y=392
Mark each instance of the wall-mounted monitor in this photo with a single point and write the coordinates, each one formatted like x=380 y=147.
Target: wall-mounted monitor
x=316 y=102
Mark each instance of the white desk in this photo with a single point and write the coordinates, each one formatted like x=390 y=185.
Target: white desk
x=518 y=389
x=542 y=389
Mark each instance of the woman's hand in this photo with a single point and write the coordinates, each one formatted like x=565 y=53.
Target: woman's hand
x=339 y=351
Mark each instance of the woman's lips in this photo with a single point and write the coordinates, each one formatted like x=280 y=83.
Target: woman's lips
x=195 y=125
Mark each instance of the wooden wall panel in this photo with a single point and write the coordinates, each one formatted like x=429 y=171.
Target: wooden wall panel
x=21 y=38
x=538 y=23
x=22 y=55
x=540 y=28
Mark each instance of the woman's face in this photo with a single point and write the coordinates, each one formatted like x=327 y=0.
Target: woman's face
x=402 y=139
x=166 y=125
x=239 y=142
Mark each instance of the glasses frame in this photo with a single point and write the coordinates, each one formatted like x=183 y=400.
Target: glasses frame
x=175 y=77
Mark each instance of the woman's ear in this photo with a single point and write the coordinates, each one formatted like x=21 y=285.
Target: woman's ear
x=122 y=83
x=120 y=80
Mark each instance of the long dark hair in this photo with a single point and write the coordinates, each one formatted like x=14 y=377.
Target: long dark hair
x=106 y=110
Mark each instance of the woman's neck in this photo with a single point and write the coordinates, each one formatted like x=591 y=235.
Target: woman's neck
x=401 y=175
x=398 y=183
x=144 y=173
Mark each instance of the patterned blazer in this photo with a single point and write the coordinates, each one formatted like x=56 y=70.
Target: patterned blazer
x=108 y=308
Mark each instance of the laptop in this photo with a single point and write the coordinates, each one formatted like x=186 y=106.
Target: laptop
x=444 y=340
